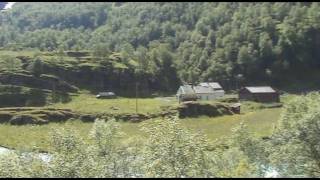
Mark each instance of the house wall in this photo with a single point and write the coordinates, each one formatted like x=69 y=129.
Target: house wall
x=258 y=97
x=210 y=96
x=267 y=97
x=245 y=95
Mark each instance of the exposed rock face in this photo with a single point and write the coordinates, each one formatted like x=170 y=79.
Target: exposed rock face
x=31 y=115
x=77 y=54
x=17 y=96
x=35 y=82
x=55 y=115
x=22 y=116
x=132 y=117
x=194 y=109
x=26 y=119
x=87 y=118
x=127 y=117
x=5 y=117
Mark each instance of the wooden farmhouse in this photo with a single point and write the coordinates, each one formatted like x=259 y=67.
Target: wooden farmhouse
x=259 y=94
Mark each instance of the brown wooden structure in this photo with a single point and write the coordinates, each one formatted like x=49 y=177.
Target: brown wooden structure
x=259 y=94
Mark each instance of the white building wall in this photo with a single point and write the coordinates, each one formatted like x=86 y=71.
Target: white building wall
x=211 y=96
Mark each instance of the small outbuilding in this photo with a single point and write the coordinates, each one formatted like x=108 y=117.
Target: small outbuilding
x=259 y=94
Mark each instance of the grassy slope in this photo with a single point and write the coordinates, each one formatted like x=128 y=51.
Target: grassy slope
x=37 y=137
x=88 y=103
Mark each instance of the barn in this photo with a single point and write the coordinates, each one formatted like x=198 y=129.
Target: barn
x=259 y=94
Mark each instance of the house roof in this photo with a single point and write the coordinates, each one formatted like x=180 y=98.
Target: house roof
x=260 y=89
x=214 y=85
x=203 y=90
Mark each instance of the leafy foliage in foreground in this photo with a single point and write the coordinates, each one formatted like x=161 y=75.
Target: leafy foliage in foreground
x=169 y=151
x=296 y=141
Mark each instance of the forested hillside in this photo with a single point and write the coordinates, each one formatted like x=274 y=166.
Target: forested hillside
x=164 y=44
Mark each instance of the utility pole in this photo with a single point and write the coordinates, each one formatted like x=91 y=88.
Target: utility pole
x=137 y=98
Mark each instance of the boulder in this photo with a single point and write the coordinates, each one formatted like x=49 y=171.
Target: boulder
x=194 y=109
x=5 y=117
x=87 y=118
x=54 y=115
x=26 y=119
x=131 y=117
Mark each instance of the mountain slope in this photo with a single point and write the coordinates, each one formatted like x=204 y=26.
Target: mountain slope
x=246 y=43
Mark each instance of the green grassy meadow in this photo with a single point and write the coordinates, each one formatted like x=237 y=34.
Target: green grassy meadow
x=260 y=121
x=88 y=103
x=35 y=137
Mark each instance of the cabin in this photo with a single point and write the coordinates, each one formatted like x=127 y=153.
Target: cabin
x=106 y=95
x=259 y=94
x=202 y=91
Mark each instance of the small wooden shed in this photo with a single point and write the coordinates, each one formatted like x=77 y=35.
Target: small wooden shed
x=259 y=94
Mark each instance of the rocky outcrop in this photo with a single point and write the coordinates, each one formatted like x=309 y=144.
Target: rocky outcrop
x=26 y=119
x=18 y=96
x=22 y=116
x=128 y=117
x=5 y=117
x=87 y=117
x=77 y=53
x=42 y=82
x=194 y=109
x=32 y=115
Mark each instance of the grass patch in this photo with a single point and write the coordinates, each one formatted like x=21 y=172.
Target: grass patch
x=18 y=53
x=88 y=103
x=35 y=137
x=260 y=123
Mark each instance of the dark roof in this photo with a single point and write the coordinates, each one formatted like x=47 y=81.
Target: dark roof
x=260 y=89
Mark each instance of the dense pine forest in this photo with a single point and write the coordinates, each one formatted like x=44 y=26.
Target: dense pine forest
x=162 y=45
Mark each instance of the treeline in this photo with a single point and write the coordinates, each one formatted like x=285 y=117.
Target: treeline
x=171 y=150
x=196 y=41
